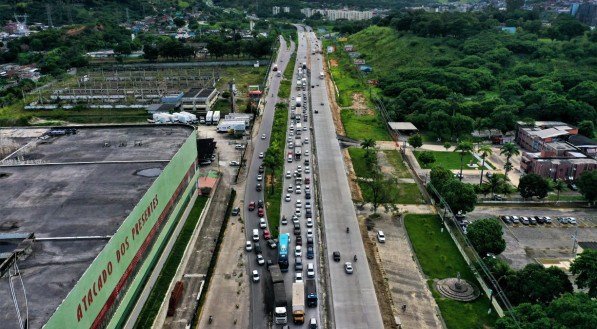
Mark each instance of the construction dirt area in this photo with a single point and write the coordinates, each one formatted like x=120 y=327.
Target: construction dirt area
x=359 y=105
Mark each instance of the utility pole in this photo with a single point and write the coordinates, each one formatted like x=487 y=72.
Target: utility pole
x=128 y=17
x=49 y=13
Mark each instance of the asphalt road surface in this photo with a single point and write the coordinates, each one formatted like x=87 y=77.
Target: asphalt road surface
x=258 y=314
x=353 y=300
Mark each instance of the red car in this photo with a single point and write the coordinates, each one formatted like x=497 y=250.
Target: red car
x=252 y=206
x=260 y=211
x=266 y=234
x=307 y=180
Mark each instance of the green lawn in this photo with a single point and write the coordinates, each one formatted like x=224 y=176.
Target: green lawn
x=408 y=193
x=361 y=127
x=448 y=160
x=395 y=159
x=440 y=259
x=273 y=199
x=358 y=162
x=158 y=293
x=286 y=83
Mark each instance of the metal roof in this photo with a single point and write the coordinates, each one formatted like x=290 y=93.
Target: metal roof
x=402 y=126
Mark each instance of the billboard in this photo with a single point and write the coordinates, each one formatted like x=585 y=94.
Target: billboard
x=100 y=290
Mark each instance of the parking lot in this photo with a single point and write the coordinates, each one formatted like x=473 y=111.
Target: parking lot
x=537 y=242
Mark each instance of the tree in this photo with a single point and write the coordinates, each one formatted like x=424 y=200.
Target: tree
x=559 y=186
x=439 y=177
x=368 y=143
x=447 y=145
x=179 y=22
x=586 y=184
x=486 y=236
x=426 y=158
x=463 y=148
x=531 y=316
x=151 y=52
x=577 y=311
x=415 y=141
x=533 y=185
x=509 y=150
x=536 y=284
x=271 y=161
x=459 y=196
x=512 y=5
x=484 y=151
x=586 y=128
x=380 y=188
x=585 y=268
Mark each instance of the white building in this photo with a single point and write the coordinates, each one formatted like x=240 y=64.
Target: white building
x=335 y=14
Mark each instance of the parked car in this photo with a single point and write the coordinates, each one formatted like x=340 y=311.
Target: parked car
x=255 y=276
x=260 y=212
x=235 y=211
x=298 y=251
x=234 y=163
x=266 y=234
x=381 y=237
x=262 y=223
x=310 y=270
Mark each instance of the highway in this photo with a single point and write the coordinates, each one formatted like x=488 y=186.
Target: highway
x=288 y=207
x=257 y=312
x=353 y=300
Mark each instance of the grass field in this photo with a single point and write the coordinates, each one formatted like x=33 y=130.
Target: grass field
x=274 y=200
x=361 y=127
x=439 y=259
x=158 y=293
x=358 y=162
x=408 y=193
x=448 y=160
x=395 y=159
x=286 y=83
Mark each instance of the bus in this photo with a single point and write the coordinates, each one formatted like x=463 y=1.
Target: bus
x=283 y=251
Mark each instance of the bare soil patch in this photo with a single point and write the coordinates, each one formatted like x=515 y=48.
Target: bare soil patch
x=333 y=63
x=333 y=103
x=359 y=105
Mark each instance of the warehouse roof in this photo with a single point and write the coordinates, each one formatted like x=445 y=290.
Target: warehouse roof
x=402 y=126
x=74 y=186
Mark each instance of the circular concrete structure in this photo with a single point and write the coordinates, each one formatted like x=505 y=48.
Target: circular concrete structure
x=457 y=289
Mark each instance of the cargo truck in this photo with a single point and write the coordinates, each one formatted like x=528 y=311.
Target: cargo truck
x=311 y=293
x=298 y=302
x=209 y=117
x=216 y=118
x=299 y=101
x=280 y=303
x=297 y=153
x=275 y=67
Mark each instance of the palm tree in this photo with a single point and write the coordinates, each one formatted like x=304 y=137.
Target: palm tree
x=368 y=143
x=484 y=151
x=463 y=148
x=509 y=150
x=559 y=186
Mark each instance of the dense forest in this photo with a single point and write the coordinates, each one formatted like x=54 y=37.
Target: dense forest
x=451 y=73
x=87 y=11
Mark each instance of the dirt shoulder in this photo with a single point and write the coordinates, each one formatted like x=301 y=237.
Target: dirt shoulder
x=355 y=190
x=331 y=88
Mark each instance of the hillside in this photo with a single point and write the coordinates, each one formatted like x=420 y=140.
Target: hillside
x=86 y=11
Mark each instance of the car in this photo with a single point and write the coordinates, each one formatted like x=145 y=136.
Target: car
x=532 y=221
x=348 y=268
x=306 y=153
x=515 y=219
x=260 y=203
x=306 y=163
x=259 y=178
x=297 y=230
x=299 y=241
x=289 y=139
x=257 y=248
x=525 y=220
x=313 y=321
x=305 y=128
x=299 y=169
x=572 y=220
x=308 y=195
x=298 y=277
x=249 y=246
x=310 y=252
x=540 y=220
x=262 y=136
x=306 y=141
x=205 y=163
x=239 y=146
x=297 y=212
x=309 y=222
x=572 y=186
x=260 y=260
x=295 y=220
x=298 y=203
x=290 y=189
x=272 y=244
x=262 y=223
x=255 y=276
x=235 y=211
x=381 y=237
x=309 y=232
x=310 y=270
x=298 y=191
x=459 y=176
x=307 y=170
x=234 y=163
x=316 y=111
x=258 y=187
x=298 y=251
x=336 y=255
x=251 y=205
x=260 y=155
x=261 y=169
x=260 y=212
x=298 y=264
x=488 y=174
x=308 y=212
x=547 y=220
x=288 y=175
x=287 y=198
x=310 y=241
x=321 y=103
x=284 y=221
x=269 y=263
x=267 y=234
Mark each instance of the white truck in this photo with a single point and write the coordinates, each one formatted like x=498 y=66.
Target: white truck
x=228 y=125
x=275 y=67
x=298 y=302
x=299 y=101
x=208 y=117
x=298 y=84
x=216 y=118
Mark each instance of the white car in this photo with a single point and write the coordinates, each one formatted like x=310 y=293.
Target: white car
x=239 y=146
x=288 y=175
x=259 y=178
x=298 y=191
x=249 y=246
x=295 y=219
x=299 y=169
x=348 y=267
x=309 y=233
x=234 y=163
x=298 y=251
x=261 y=155
x=298 y=277
x=305 y=128
x=255 y=276
x=309 y=222
x=287 y=198
x=306 y=141
x=290 y=189
x=262 y=136
x=306 y=153
x=381 y=237
x=262 y=223
x=307 y=170
x=297 y=212
x=310 y=270
x=260 y=260
x=298 y=203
